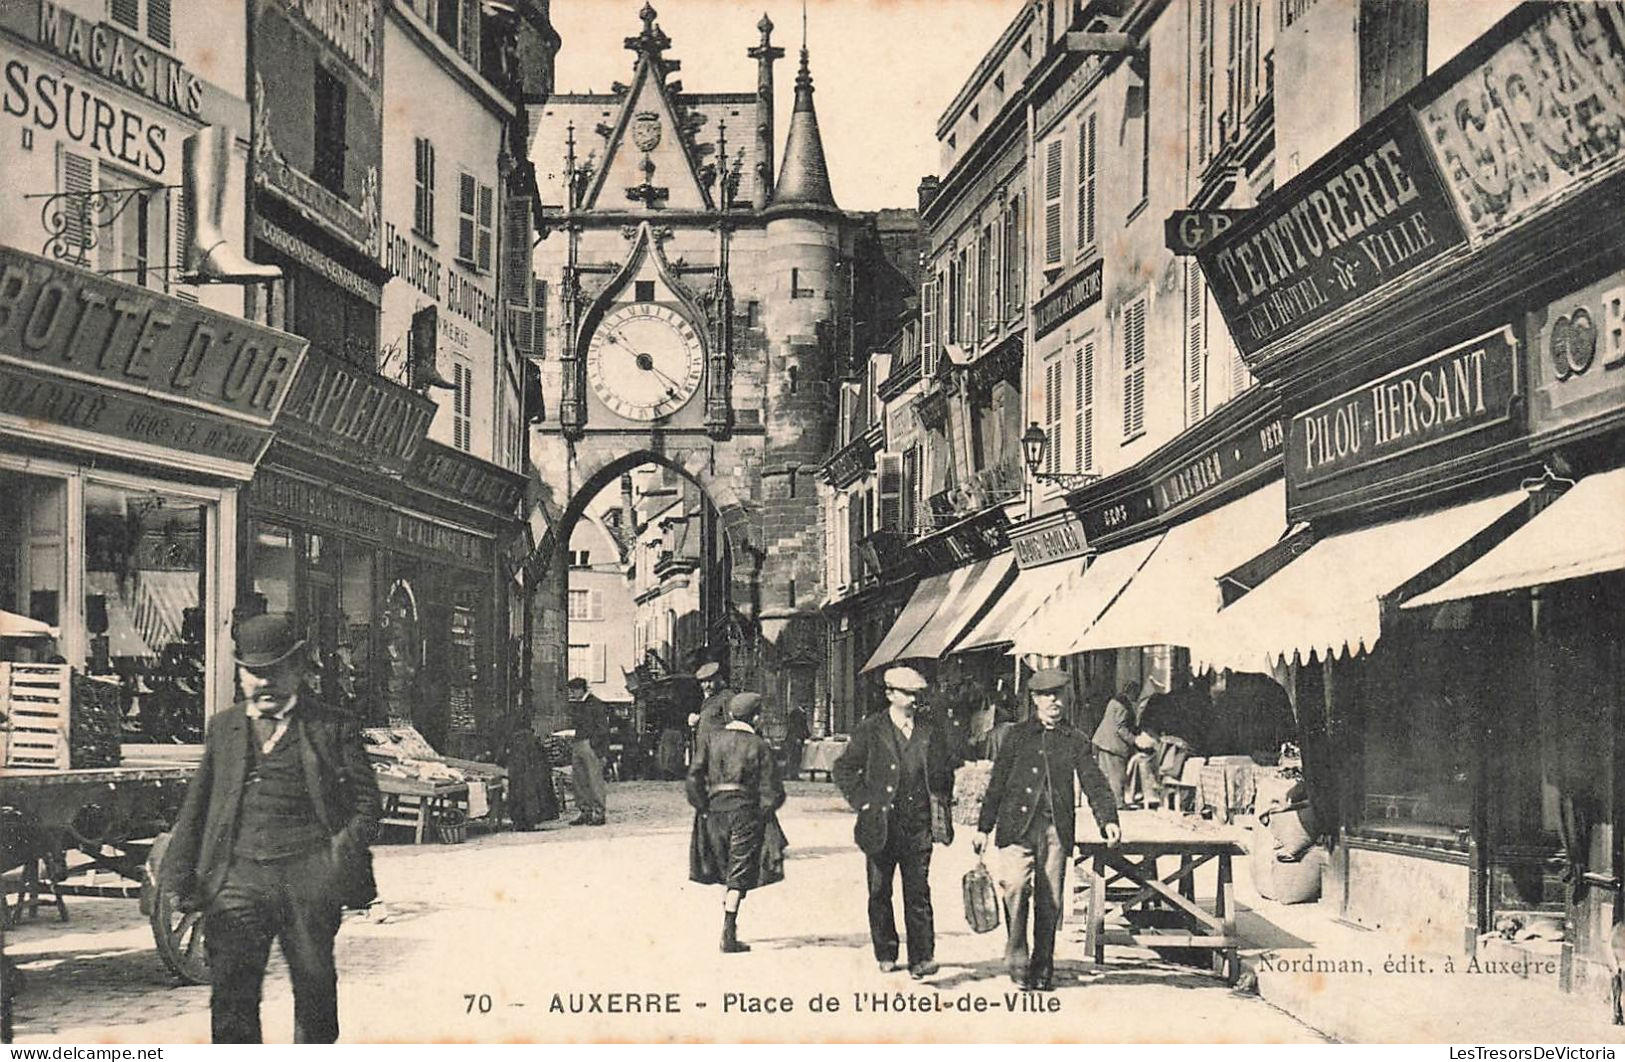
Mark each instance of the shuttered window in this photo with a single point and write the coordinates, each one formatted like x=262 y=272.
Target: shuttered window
x=468 y=191
x=1083 y=428
x=529 y=322
x=928 y=328
x=1086 y=182
x=890 y=469
x=987 y=283
x=159 y=22
x=1202 y=64
x=1195 y=343
x=76 y=177
x=423 y=188
x=1052 y=202
x=1015 y=250
x=1052 y=415
x=1134 y=369
x=485 y=226
x=463 y=406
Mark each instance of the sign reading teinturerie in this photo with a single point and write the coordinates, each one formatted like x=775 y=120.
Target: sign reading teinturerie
x=1365 y=214
x=1448 y=395
x=1544 y=112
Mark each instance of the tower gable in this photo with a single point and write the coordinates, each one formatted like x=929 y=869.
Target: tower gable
x=648 y=164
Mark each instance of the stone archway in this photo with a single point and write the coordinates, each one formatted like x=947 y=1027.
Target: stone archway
x=597 y=465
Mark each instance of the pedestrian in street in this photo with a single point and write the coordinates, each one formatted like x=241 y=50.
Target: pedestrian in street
x=713 y=713
x=1030 y=801
x=272 y=839
x=734 y=787
x=898 y=775
x=590 y=719
x=1114 y=738
x=796 y=733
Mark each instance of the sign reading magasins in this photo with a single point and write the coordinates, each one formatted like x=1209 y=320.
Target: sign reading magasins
x=1369 y=212
x=70 y=322
x=1544 y=112
x=1451 y=394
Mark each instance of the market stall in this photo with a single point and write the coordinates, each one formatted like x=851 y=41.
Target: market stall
x=436 y=797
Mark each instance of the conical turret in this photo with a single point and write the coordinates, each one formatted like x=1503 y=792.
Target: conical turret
x=804 y=178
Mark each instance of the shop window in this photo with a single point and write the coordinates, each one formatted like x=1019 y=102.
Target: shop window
x=33 y=559
x=145 y=557
x=464 y=655
x=273 y=561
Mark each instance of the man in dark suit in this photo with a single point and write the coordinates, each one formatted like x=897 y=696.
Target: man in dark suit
x=1030 y=800
x=897 y=772
x=271 y=841
x=590 y=719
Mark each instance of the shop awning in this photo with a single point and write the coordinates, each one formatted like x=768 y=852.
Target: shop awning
x=1031 y=591
x=922 y=605
x=1175 y=595
x=1055 y=626
x=1329 y=600
x=967 y=600
x=1581 y=533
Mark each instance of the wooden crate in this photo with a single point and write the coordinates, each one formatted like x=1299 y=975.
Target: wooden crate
x=37 y=700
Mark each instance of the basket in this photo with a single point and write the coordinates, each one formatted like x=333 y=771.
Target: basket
x=451 y=826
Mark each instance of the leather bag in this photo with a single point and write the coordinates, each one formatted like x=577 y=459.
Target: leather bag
x=981 y=899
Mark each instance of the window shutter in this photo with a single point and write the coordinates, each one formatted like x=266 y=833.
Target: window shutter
x=467 y=193
x=600 y=668
x=126 y=13
x=1240 y=378
x=469 y=38
x=928 y=326
x=1232 y=71
x=78 y=178
x=159 y=22
x=487 y=219
x=1084 y=422
x=1086 y=182
x=1195 y=343
x=890 y=466
x=1134 y=368
x=596 y=604
x=1052 y=415
x=1204 y=79
x=1052 y=203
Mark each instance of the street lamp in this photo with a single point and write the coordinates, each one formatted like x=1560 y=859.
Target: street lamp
x=1033 y=445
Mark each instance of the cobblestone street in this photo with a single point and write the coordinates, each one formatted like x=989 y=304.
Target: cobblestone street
x=509 y=937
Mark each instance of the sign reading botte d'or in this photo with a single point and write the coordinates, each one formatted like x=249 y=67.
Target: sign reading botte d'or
x=1445 y=396
x=1367 y=213
x=85 y=343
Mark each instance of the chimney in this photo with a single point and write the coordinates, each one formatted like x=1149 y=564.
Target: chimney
x=927 y=192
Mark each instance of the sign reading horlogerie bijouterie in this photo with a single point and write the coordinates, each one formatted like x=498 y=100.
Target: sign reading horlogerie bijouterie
x=1446 y=396
x=1365 y=214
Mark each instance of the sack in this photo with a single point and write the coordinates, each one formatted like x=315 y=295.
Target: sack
x=981 y=899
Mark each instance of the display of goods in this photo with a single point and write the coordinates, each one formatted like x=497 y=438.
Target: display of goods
x=399 y=742
x=558 y=750
x=95 y=726
x=970 y=785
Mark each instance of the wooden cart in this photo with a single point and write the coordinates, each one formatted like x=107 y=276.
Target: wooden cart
x=1159 y=906
x=69 y=830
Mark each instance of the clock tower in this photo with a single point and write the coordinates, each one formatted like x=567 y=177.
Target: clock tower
x=694 y=310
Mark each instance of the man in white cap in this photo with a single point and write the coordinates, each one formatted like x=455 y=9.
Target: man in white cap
x=897 y=765
x=1031 y=800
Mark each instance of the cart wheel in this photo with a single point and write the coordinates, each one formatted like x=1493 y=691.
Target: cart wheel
x=179 y=935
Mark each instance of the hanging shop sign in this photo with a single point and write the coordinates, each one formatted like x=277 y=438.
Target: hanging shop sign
x=299 y=501
x=73 y=323
x=1545 y=112
x=355 y=415
x=318 y=115
x=1072 y=298
x=1187 y=231
x=1048 y=540
x=1368 y=212
x=981 y=536
x=455 y=474
x=1448 y=396
x=1577 y=358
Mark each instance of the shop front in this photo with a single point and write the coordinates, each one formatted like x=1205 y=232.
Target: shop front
x=129 y=422
x=389 y=550
x=1459 y=691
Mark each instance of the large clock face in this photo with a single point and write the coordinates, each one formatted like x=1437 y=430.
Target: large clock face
x=645 y=361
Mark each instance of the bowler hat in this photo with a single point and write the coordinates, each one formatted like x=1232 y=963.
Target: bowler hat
x=266 y=640
x=905 y=678
x=577 y=683
x=1048 y=680
x=744 y=705
x=707 y=670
